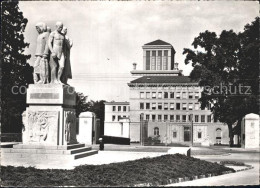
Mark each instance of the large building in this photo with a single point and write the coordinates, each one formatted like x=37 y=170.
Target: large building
x=164 y=103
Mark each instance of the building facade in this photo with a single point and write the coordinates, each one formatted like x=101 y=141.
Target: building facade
x=164 y=103
x=116 y=119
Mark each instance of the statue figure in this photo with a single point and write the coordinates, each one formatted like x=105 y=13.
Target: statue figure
x=56 y=45
x=41 y=68
x=66 y=57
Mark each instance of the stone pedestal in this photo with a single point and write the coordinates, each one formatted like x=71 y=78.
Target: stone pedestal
x=49 y=135
x=50 y=118
x=87 y=128
x=250 y=131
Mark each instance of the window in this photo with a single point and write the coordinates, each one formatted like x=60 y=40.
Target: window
x=196 y=118
x=154 y=106
x=166 y=95
x=147 y=117
x=190 y=95
x=153 y=117
x=113 y=118
x=159 y=60
x=202 y=118
x=147 y=106
x=184 y=106
x=165 y=117
x=159 y=106
x=156 y=131
x=159 y=117
x=178 y=118
x=196 y=106
x=153 y=60
x=190 y=117
x=178 y=106
x=148 y=95
x=209 y=118
x=165 y=106
x=119 y=108
x=124 y=108
x=184 y=95
x=208 y=107
x=114 y=108
x=118 y=118
x=141 y=106
x=141 y=95
x=165 y=60
x=159 y=95
x=174 y=134
x=171 y=95
x=178 y=95
x=154 y=95
x=190 y=106
x=196 y=95
x=199 y=134
x=171 y=117
x=183 y=118
x=147 y=60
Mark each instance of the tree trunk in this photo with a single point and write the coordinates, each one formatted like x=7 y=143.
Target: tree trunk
x=231 y=135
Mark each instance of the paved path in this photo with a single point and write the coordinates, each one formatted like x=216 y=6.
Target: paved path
x=248 y=177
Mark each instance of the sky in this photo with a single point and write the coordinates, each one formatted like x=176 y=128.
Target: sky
x=108 y=35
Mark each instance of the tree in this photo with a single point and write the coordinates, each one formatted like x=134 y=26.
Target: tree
x=81 y=104
x=224 y=64
x=16 y=72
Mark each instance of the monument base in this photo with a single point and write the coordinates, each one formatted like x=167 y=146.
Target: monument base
x=39 y=155
x=50 y=118
x=49 y=134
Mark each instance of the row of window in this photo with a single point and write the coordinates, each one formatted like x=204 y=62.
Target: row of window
x=178 y=118
x=169 y=95
x=156 y=132
x=119 y=108
x=118 y=117
x=170 y=106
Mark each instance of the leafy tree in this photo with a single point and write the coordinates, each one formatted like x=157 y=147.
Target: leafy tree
x=81 y=104
x=222 y=64
x=16 y=72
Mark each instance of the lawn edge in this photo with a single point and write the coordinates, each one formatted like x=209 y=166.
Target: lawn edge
x=178 y=180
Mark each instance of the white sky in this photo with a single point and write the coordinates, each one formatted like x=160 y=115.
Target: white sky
x=117 y=30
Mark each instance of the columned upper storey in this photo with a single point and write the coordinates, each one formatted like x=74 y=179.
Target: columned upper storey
x=158 y=55
x=158 y=59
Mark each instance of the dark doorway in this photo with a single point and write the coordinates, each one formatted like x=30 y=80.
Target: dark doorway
x=186 y=134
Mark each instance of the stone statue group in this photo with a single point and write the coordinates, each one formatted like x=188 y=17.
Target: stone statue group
x=52 y=57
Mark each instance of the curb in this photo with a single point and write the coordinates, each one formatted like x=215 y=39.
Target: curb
x=183 y=179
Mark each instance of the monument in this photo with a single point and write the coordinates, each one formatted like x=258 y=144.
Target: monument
x=50 y=118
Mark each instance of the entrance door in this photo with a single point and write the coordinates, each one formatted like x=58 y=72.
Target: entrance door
x=186 y=134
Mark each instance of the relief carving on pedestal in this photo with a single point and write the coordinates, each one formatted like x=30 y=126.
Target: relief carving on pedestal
x=39 y=123
x=70 y=127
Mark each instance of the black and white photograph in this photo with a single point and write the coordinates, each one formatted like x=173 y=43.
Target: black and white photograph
x=129 y=93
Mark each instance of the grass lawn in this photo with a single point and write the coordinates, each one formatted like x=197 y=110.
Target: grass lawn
x=125 y=173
